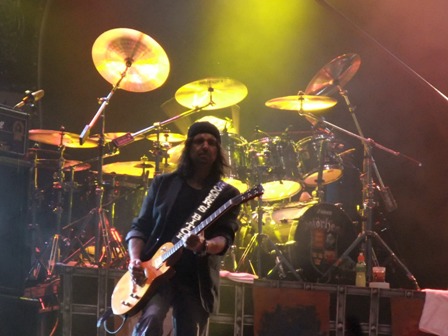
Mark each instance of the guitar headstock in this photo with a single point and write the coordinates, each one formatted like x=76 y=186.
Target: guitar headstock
x=249 y=194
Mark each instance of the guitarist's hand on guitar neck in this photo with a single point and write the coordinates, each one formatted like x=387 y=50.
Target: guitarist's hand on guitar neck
x=199 y=245
x=196 y=243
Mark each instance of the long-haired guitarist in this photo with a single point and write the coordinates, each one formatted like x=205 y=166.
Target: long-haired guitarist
x=174 y=204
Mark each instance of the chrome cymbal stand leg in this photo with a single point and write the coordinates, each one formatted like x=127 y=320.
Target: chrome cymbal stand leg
x=365 y=237
x=58 y=186
x=38 y=266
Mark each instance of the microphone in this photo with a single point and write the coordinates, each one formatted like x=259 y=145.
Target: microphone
x=30 y=97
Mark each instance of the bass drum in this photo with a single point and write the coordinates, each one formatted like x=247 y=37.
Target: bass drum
x=321 y=235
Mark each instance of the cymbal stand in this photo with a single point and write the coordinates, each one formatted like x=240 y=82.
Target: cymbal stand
x=58 y=185
x=103 y=233
x=385 y=192
x=129 y=138
x=160 y=152
x=320 y=173
x=257 y=242
x=369 y=203
x=36 y=240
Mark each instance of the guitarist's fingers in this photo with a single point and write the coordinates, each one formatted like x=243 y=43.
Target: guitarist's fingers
x=194 y=242
x=135 y=262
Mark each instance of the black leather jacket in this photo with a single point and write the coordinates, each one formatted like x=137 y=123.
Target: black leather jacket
x=152 y=220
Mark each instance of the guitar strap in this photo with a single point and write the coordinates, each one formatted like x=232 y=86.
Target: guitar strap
x=198 y=214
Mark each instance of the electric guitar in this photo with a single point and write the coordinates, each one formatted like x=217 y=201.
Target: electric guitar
x=128 y=297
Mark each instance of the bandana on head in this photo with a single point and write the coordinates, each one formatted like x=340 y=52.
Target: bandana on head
x=204 y=127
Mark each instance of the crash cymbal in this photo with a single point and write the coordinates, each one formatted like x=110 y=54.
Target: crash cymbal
x=123 y=49
x=335 y=74
x=54 y=164
x=51 y=137
x=211 y=93
x=108 y=137
x=302 y=102
x=167 y=137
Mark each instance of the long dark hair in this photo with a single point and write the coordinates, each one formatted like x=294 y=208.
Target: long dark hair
x=186 y=168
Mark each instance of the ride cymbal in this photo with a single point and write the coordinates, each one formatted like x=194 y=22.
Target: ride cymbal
x=335 y=74
x=141 y=58
x=58 y=138
x=135 y=168
x=211 y=93
x=301 y=102
x=132 y=168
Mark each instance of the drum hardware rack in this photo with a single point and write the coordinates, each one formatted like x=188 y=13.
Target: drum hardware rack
x=257 y=241
x=367 y=233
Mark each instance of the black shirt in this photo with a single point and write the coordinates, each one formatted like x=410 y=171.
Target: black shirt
x=186 y=202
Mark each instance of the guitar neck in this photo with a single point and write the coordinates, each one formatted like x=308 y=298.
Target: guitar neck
x=197 y=229
x=248 y=195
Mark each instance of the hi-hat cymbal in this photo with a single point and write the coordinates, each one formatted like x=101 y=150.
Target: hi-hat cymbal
x=211 y=93
x=335 y=74
x=302 y=102
x=67 y=165
x=167 y=137
x=57 y=138
x=108 y=137
x=123 y=49
x=39 y=152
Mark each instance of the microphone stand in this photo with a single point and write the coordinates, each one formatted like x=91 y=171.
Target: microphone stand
x=368 y=205
x=128 y=138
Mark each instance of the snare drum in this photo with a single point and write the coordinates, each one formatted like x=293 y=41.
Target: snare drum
x=317 y=151
x=273 y=163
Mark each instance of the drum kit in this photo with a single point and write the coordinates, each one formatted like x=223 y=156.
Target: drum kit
x=309 y=234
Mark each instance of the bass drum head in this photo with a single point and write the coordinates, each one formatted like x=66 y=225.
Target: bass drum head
x=321 y=235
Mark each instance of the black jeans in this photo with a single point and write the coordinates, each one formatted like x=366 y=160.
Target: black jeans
x=189 y=317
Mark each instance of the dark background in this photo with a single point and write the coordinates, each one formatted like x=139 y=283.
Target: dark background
x=275 y=50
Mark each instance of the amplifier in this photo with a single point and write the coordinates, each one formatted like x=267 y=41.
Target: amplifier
x=13 y=132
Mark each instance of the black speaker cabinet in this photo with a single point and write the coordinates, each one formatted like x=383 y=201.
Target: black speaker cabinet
x=14 y=252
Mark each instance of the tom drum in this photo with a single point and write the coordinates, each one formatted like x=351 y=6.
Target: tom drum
x=315 y=152
x=273 y=163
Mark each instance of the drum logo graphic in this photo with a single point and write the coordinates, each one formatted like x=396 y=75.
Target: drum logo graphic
x=323 y=241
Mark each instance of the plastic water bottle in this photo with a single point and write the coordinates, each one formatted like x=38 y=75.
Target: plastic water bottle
x=360 y=269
